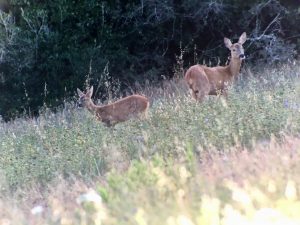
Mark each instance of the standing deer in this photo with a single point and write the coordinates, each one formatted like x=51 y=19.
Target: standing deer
x=203 y=80
x=119 y=111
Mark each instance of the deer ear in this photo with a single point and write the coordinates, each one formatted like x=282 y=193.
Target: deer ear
x=243 y=38
x=90 y=92
x=80 y=93
x=227 y=42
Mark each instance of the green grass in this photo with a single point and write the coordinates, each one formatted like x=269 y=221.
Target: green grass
x=155 y=162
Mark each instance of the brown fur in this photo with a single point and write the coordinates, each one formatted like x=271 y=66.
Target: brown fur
x=124 y=109
x=203 y=80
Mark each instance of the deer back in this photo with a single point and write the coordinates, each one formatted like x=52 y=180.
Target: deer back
x=123 y=109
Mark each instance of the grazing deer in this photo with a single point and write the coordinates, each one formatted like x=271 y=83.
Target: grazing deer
x=203 y=80
x=119 y=111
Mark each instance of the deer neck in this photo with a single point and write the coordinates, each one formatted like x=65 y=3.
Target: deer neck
x=91 y=107
x=234 y=67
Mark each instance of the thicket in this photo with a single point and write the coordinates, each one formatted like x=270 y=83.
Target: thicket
x=49 y=48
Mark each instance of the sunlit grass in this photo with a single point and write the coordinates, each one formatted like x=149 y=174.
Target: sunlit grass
x=242 y=187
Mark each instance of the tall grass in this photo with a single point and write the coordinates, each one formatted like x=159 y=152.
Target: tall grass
x=154 y=155
x=240 y=187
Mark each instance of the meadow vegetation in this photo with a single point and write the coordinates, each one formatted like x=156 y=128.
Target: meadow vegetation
x=226 y=162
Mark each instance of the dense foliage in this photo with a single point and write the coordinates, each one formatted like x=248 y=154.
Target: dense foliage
x=49 y=48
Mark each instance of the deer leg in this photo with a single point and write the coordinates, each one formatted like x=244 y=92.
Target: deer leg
x=144 y=115
x=107 y=123
x=194 y=94
x=198 y=95
x=224 y=93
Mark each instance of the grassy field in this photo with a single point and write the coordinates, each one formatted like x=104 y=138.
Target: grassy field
x=223 y=161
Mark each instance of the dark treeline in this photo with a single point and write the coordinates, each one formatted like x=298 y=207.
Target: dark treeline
x=49 y=48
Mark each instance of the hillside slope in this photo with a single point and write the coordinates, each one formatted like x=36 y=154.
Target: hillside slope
x=220 y=162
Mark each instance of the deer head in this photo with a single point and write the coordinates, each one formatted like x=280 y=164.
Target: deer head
x=85 y=99
x=237 y=50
